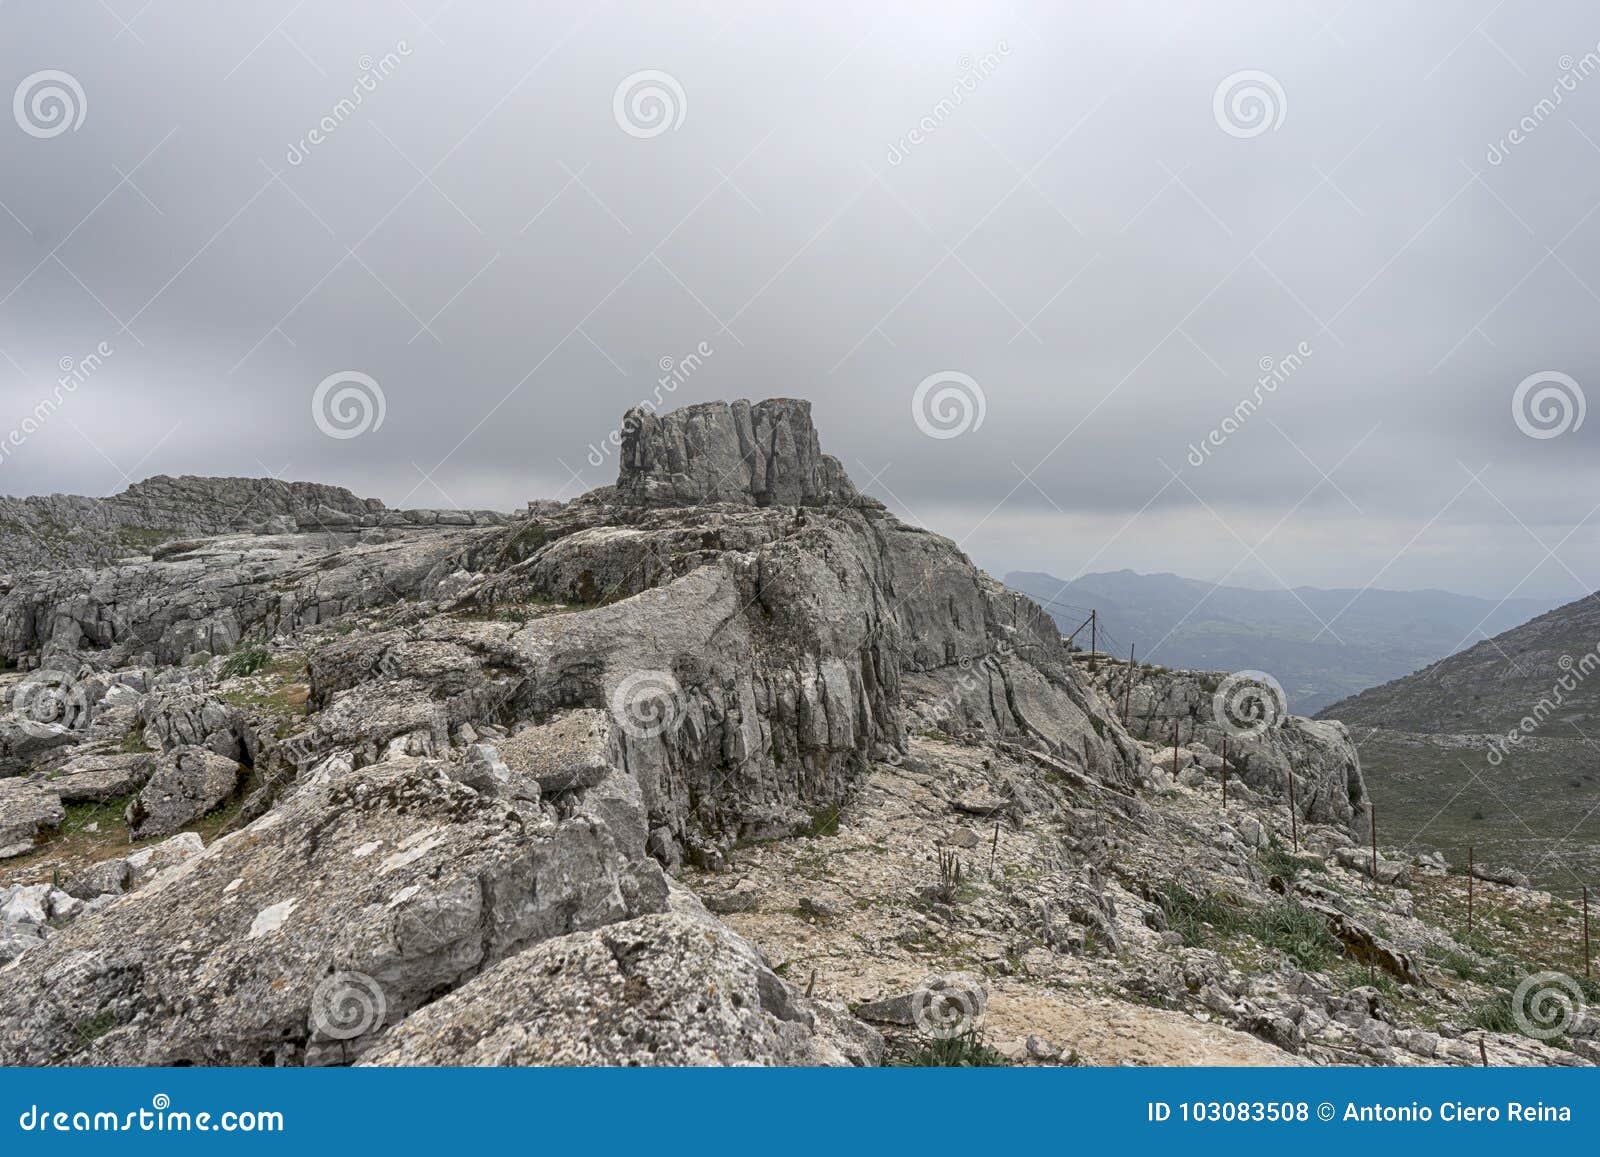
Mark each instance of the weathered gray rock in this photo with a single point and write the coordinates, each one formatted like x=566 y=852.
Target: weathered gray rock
x=99 y=777
x=194 y=719
x=25 y=904
x=188 y=782
x=107 y=878
x=1329 y=788
x=1500 y=874
x=302 y=936
x=485 y=772
x=766 y=454
x=61 y=530
x=943 y=1005
x=668 y=989
x=15 y=939
x=1395 y=873
x=27 y=810
x=574 y=750
x=148 y=863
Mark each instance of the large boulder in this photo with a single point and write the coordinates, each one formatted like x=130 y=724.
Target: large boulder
x=26 y=811
x=574 y=750
x=670 y=989
x=98 y=777
x=188 y=782
x=1262 y=750
x=301 y=937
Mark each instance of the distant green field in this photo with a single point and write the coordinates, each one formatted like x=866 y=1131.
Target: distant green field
x=1538 y=811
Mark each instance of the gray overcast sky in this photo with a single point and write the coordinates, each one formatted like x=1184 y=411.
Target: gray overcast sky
x=1102 y=244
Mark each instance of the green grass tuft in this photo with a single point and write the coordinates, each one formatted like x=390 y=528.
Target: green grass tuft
x=245 y=661
x=965 y=1051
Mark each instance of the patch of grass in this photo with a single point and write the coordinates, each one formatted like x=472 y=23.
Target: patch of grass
x=824 y=821
x=80 y=815
x=1298 y=933
x=1461 y=965
x=1287 y=926
x=282 y=700
x=134 y=743
x=245 y=661
x=1494 y=1014
x=90 y=1030
x=1277 y=860
x=964 y=1051
x=1357 y=977
x=1198 y=918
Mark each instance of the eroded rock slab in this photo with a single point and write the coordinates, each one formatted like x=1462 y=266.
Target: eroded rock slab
x=188 y=782
x=26 y=811
x=671 y=989
x=300 y=937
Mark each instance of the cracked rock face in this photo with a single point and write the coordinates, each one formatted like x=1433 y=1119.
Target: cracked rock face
x=188 y=782
x=26 y=810
x=671 y=989
x=63 y=530
x=766 y=454
x=246 y=953
x=1329 y=787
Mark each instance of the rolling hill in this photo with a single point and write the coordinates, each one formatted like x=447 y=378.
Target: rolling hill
x=1497 y=747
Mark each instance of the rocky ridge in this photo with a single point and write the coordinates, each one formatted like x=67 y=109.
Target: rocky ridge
x=456 y=796
x=64 y=530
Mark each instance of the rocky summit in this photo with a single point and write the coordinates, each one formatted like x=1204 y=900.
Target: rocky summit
x=723 y=764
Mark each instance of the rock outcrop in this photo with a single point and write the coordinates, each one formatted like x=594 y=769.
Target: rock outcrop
x=451 y=775
x=300 y=937
x=62 y=530
x=670 y=989
x=766 y=454
x=1265 y=744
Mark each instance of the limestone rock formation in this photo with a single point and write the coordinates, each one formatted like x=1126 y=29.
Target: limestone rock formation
x=1329 y=786
x=188 y=782
x=462 y=777
x=766 y=454
x=62 y=530
x=669 y=989
x=237 y=956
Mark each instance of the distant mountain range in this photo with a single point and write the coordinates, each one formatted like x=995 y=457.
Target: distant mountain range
x=1375 y=635
x=1442 y=765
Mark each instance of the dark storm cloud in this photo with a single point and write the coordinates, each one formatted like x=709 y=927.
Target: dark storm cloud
x=1048 y=199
